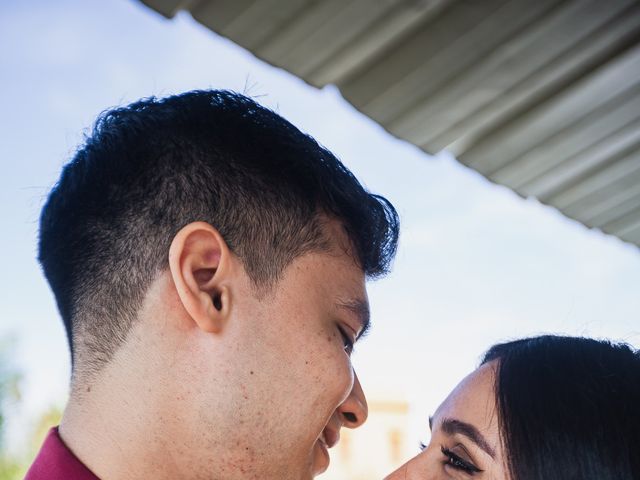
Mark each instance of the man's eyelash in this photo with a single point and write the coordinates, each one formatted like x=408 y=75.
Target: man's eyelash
x=456 y=462
x=346 y=340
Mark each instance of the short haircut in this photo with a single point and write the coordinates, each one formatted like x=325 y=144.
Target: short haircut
x=150 y=168
x=568 y=407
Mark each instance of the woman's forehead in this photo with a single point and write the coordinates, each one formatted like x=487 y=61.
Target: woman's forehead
x=472 y=400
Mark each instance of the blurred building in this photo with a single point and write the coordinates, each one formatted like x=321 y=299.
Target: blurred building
x=375 y=449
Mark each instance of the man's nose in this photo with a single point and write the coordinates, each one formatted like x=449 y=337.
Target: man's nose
x=354 y=409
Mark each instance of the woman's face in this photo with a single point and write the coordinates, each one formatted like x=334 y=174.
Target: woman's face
x=465 y=441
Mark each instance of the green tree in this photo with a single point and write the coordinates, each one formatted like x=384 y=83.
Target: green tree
x=14 y=465
x=10 y=377
x=47 y=419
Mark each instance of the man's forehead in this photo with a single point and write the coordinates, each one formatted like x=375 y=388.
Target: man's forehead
x=338 y=239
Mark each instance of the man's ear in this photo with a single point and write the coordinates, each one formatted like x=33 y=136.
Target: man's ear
x=200 y=264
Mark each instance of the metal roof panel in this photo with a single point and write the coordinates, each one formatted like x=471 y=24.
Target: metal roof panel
x=543 y=97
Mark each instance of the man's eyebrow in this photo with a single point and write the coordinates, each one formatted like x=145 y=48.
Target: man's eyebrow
x=452 y=426
x=361 y=310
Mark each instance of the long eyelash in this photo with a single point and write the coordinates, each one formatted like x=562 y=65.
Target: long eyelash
x=348 y=342
x=456 y=462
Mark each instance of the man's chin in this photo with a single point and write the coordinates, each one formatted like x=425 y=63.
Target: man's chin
x=321 y=458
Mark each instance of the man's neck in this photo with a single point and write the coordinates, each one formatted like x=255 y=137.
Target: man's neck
x=112 y=436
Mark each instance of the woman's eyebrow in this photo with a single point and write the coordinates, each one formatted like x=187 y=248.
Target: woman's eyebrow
x=451 y=426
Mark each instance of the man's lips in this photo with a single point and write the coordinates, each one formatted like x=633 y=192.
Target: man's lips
x=329 y=437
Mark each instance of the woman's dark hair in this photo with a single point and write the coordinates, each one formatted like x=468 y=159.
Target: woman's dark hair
x=150 y=168
x=569 y=408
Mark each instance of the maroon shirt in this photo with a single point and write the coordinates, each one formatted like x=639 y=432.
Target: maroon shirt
x=56 y=461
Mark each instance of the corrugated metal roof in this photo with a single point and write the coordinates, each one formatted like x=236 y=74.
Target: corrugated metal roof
x=542 y=96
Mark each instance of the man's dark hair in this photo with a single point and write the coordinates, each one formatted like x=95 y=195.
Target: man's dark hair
x=150 y=168
x=569 y=408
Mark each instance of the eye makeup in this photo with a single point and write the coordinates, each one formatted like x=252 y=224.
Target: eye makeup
x=454 y=460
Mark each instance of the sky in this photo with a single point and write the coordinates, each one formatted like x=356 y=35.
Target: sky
x=477 y=264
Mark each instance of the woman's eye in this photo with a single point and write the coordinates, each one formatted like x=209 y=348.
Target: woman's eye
x=454 y=461
x=347 y=341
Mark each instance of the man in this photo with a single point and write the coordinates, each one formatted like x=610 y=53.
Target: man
x=209 y=264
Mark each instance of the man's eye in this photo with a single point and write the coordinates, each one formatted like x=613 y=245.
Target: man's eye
x=347 y=341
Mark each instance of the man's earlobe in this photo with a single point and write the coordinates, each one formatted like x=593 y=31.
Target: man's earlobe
x=199 y=261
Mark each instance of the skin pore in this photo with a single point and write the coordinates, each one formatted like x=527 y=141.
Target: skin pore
x=465 y=441
x=217 y=381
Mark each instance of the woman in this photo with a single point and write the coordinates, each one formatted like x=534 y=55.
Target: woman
x=541 y=408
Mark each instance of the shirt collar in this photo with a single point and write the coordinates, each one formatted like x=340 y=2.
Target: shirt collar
x=55 y=460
